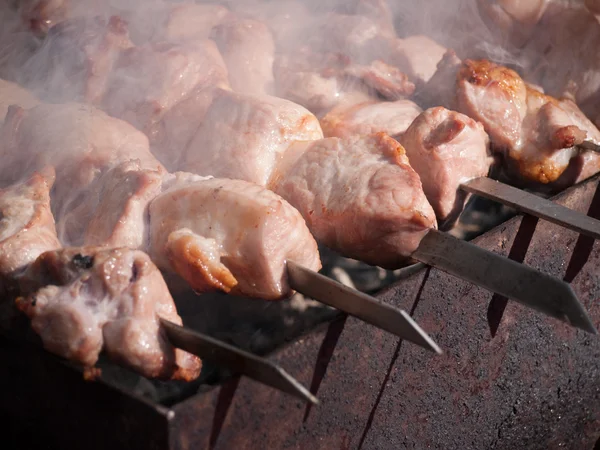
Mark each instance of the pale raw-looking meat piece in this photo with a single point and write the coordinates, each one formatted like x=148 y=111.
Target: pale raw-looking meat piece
x=13 y=94
x=26 y=226
x=80 y=141
x=417 y=56
x=446 y=149
x=190 y=21
x=513 y=21
x=244 y=136
x=179 y=22
x=386 y=80
x=229 y=235
x=148 y=81
x=440 y=90
x=359 y=196
x=113 y=211
x=91 y=299
x=391 y=118
x=248 y=50
x=77 y=58
x=316 y=81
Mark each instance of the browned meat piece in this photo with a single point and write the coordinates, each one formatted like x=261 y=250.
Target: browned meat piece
x=76 y=59
x=41 y=15
x=392 y=118
x=80 y=141
x=229 y=235
x=359 y=196
x=90 y=299
x=536 y=132
x=244 y=136
x=386 y=80
x=417 y=56
x=550 y=131
x=248 y=50
x=495 y=96
x=148 y=81
x=13 y=94
x=113 y=211
x=26 y=226
x=446 y=149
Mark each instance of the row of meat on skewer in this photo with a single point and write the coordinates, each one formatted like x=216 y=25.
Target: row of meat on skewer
x=170 y=164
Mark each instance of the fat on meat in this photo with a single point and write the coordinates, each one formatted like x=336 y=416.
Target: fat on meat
x=27 y=226
x=248 y=49
x=244 y=136
x=229 y=235
x=392 y=118
x=86 y=300
x=446 y=149
x=359 y=196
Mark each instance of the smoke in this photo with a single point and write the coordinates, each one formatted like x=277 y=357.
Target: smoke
x=155 y=63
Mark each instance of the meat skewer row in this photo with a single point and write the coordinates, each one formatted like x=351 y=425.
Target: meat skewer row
x=228 y=235
x=450 y=152
x=539 y=137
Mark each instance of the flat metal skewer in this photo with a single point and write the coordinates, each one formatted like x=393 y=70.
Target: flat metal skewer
x=255 y=367
x=589 y=145
x=534 y=205
x=358 y=304
x=504 y=276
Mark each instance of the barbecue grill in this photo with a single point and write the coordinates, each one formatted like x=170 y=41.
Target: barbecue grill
x=509 y=378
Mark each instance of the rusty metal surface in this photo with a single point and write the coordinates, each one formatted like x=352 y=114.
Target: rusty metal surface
x=510 y=378
x=47 y=405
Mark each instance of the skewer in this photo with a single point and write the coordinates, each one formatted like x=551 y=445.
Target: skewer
x=357 y=304
x=503 y=276
x=524 y=202
x=255 y=367
x=589 y=145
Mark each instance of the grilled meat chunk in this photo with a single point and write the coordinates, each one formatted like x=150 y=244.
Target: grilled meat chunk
x=148 y=81
x=77 y=58
x=13 y=94
x=244 y=136
x=446 y=149
x=26 y=226
x=359 y=196
x=417 y=56
x=80 y=141
x=229 y=235
x=495 y=96
x=248 y=50
x=392 y=118
x=90 y=299
x=114 y=209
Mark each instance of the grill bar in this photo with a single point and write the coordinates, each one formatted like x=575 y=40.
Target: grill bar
x=524 y=202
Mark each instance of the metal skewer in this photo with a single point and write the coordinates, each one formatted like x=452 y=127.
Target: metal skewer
x=357 y=304
x=525 y=202
x=503 y=276
x=255 y=367
x=589 y=145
